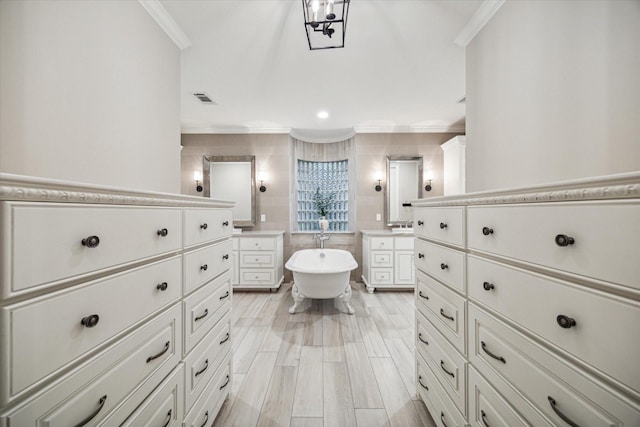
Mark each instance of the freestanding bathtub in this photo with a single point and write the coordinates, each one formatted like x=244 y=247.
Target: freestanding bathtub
x=321 y=274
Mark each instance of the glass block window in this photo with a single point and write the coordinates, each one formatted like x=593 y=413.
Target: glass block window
x=323 y=182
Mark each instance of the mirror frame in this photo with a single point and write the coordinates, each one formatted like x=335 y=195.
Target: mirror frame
x=206 y=181
x=387 y=196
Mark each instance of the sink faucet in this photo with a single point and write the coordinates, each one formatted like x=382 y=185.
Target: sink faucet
x=322 y=237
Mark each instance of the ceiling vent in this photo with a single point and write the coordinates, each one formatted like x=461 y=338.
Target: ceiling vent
x=203 y=97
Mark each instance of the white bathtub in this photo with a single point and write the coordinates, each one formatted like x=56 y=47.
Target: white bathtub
x=321 y=274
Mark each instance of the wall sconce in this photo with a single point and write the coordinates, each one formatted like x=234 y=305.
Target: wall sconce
x=262 y=177
x=378 y=177
x=197 y=177
x=428 y=177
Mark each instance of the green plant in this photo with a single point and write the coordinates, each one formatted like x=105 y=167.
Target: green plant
x=322 y=202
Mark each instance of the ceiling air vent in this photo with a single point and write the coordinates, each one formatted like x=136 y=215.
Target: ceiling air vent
x=203 y=97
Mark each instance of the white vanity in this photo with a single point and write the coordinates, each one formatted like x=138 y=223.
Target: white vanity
x=387 y=260
x=258 y=259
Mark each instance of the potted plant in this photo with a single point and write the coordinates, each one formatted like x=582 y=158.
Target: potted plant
x=323 y=203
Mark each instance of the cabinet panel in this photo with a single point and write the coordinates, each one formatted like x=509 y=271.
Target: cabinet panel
x=253 y=259
x=257 y=243
x=204 y=225
x=381 y=276
x=404 y=273
x=446 y=265
x=202 y=265
x=442 y=224
x=381 y=259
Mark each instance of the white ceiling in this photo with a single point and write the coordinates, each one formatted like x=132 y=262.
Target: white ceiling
x=400 y=70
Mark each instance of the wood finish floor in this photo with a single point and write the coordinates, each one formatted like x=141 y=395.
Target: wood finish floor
x=323 y=367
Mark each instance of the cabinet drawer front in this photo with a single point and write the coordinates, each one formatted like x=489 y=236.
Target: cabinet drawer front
x=114 y=373
x=257 y=277
x=539 y=375
x=204 y=225
x=605 y=237
x=446 y=265
x=382 y=259
x=381 y=276
x=116 y=303
x=403 y=243
x=599 y=337
x=257 y=243
x=208 y=405
x=381 y=243
x=444 y=308
x=205 y=359
x=441 y=224
x=46 y=241
x=202 y=265
x=442 y=409
x=257 y=259
x=204 y=308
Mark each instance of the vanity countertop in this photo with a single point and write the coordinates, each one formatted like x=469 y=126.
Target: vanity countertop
x=259 y=233
x=388 y=232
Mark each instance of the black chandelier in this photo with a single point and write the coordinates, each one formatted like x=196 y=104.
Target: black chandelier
x=325 y=22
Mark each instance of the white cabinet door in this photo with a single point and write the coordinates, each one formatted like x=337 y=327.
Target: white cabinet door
x=404 y=271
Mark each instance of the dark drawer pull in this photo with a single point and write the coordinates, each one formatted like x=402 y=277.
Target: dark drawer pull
x=206 y=366
x=225 y=339
x=484 y=348
x=420 y=222
x=225 y=256
x=451 y=374
x=92 y=416
x=420 y=338
x=420 y=256
x=564 y=418
x=162 y=286
x=204 y=267
x=443 y=226
x=445 y=316
x=91 y=242
x=206 y=419
x=442 y=419
x=169 y=417
x=486 y=231
x=225 y=224
x=90 y=321
x=564 y=240
x=444 y=266
x=163 y=232
x=487 y=286
x=484 y=418
x=226 y=295
x=225 y=384
x=205 y=314
x=164 y=350
x=422 y=296
x=422 y=385
x=565 y=321
x=204 y=226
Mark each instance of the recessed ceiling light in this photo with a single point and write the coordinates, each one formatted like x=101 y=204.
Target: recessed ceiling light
x=323 y=114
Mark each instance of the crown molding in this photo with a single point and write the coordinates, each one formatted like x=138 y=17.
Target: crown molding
x=166 y=22
x=485 y=12
x=357 y=129
x=232 y=130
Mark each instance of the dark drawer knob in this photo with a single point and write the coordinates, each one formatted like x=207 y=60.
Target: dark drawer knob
x=91 y=241
x=162 y=286
x=90 y=321
x=420 y=222
x=163 y=351
x=564 y=240
x=163 y=232
x=422 y=385
x=443 y=225
x=226 y=383
x=225 y=339
x=201 y=371
x=91 y=416
x=204 y=267
x=421 y=295
x=559 y=413
x=420 y=256
x=226 y=295
x=204 y=226
x=565 y=321
x=225 y=224
x=487 y=286
x=451 y=374
x=169 y=418
x=225 y=256
x=202 y=316
x=486 y=231
x=444 y=266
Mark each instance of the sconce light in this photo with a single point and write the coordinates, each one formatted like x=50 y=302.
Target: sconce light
x=262 y=177
x=428 y=177
x=378 y=177
x=197 y=177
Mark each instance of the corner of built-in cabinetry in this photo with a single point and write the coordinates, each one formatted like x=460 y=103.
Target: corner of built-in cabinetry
x=108 y=315
x=387 y=260
x=526 y=305
x=258 y=259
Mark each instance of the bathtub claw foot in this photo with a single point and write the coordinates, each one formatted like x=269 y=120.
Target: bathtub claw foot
x=300 y=302
x=342 y=301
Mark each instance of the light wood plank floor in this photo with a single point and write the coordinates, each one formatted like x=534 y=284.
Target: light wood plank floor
x=323 y=367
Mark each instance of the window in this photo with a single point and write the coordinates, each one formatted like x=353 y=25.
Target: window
x=328 y=181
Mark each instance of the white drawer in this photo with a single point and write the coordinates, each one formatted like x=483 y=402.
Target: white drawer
x=202 y=265
x=510 y=362
x=442 y=409
x=381 y=276
x=446 y=265
x=605 y=234
x=600 y=336
x=257 y=276
x=208 y=405
x=382 y=259
x=204 y=225
x=257 y=243
x=441 y=224
x=257 y=259
x=46 y=333
x=114 y=373
x=202 y=363
x=403 y=243
x=488 y=408
x=381 y=243
x=204 y=308
x=444 y=308
x=448 y=365
x=45 y=241
x=164 y=407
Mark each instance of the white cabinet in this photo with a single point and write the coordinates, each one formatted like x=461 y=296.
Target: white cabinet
x=537 y=298
x=387 y=260
x=258 y=260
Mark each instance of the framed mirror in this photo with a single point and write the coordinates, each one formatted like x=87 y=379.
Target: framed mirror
x=404 y=184
x=232 y=178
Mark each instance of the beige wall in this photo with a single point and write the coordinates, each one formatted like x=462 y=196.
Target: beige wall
x=553 y=93
x=89 y=92
x=273 y=156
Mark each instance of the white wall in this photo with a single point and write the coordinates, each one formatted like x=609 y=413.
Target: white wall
x=89 y=92
x=553 y=93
